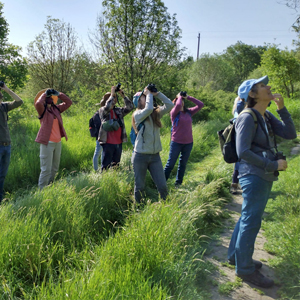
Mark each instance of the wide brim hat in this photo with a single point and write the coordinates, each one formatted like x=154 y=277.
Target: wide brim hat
x=104 y=99
x=38 y=95
x=247 y=85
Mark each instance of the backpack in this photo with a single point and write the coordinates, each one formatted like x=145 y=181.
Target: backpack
x=94 y=124
x=227 y=138
x=133 y=134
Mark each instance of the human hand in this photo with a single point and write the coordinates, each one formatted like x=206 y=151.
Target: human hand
x=113 y=91
x=146 y=91
x=278 y=99
x=282 y=165
x=121 y=93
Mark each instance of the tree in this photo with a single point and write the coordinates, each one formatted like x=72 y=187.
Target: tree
x=244 y=59
x=282 y=67
x=54 y=56
x=212 y=70
x=136 y=39
x=13 y=67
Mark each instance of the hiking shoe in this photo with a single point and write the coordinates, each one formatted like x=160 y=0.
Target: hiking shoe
x=257 y=263
x=234 y=188
x=258 y=279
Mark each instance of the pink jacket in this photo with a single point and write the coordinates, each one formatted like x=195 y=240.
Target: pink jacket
x=44 y=133
x=182 y=129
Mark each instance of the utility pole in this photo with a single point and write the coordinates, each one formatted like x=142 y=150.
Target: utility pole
x=198 y=46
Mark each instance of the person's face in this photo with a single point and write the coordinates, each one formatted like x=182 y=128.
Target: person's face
x=142 y=101
x=263 y=92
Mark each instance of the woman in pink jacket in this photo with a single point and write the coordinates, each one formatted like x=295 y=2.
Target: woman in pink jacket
x=51 y=132
x=181 y=135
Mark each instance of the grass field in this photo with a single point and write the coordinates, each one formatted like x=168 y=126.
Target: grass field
x=82 y=237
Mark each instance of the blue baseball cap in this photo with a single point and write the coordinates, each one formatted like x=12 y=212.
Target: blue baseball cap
x=136 y=98
x=247 y=85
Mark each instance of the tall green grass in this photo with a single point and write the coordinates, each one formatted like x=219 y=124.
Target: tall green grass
x=283 y=229
x=82 y=237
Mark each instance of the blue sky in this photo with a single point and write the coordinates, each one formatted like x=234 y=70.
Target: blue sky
x=221 y=23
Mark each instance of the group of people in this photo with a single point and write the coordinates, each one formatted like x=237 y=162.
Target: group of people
x=146 y=123
x=257 y=169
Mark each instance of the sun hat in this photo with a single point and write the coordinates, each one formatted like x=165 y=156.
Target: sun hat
x=136 y=98
x=38 y=95
x=247 y=85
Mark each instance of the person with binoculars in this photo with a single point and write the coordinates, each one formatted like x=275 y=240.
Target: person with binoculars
x=51 y=132
x=258 y=169
x=181 y=135
x=146 y=123
x=112 y=131
x=5 y=141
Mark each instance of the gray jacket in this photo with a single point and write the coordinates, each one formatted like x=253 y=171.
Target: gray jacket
x=148 y=137
x=258 y=160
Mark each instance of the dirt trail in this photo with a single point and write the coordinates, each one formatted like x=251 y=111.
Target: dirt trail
x=218 y=255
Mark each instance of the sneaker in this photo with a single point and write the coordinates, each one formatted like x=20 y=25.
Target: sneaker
x=234 y=188
x=258 y=279
x=257 y=263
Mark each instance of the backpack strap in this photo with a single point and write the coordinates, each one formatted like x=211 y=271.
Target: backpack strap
x=5 y=109
x=257 y=120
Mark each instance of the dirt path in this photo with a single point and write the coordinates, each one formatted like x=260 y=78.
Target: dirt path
x=218 y=256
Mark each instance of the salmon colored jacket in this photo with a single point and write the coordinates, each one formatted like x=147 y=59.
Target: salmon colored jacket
x=44 y=133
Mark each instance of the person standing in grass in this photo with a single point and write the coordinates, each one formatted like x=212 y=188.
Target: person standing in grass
x=5 y=141
x=95 y=124
x=51 y=132
x=259 y=166
x=146 y=123
x=181 y=135
x=112 y=131
x=239 y=105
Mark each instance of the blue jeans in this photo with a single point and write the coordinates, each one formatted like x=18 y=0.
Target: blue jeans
x=142 y=163
x=4 y=163
x=256 y=192
x=175 y=149
x=97 y=153
x=111 y=155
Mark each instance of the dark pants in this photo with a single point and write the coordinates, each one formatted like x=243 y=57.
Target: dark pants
x=4 y=163
x=111 y=155
x=175 y=149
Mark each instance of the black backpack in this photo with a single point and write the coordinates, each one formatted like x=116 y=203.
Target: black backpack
x=227 y=138
x=95 y=124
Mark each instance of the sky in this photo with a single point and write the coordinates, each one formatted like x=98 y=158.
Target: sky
x=221 y=23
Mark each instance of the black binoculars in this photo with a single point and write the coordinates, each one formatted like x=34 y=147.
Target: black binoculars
x=2 y=83
x=183 y=93
x=152 y=88
x=118 y=87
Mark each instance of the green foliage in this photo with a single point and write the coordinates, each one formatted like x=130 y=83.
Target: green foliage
x=283 y=228
x=243 y=59
x=13 y=67
x=282 y=67
x=213 y=70
x=225 y=71
x=227 y=287
x=137 y=39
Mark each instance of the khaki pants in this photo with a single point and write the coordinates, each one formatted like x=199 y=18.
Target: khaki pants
x=49 y=160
